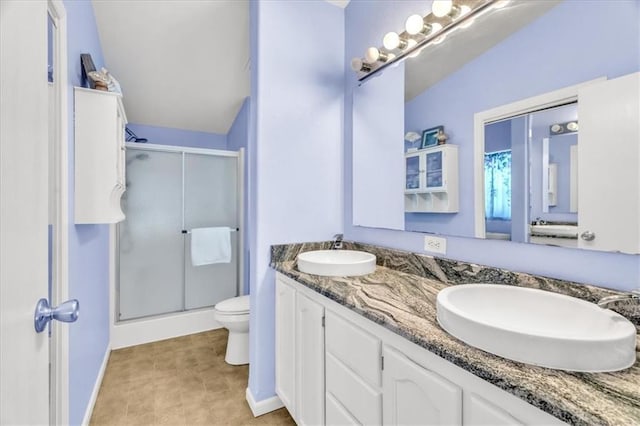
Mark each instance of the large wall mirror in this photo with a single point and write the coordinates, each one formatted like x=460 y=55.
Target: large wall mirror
x=537 y=104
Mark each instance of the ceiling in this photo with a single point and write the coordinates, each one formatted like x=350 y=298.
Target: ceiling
x=181 y=63
x=463 y=45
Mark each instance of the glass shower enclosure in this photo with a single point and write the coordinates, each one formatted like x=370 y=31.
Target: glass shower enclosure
x=171 y=191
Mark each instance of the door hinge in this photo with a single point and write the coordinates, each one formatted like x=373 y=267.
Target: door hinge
x=382 y=363
x=323 y=321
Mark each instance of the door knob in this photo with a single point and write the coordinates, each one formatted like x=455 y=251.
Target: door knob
x=588 y=236
x=66 y=312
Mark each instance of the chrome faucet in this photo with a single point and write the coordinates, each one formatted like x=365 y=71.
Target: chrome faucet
x=606 y=301
x=337 y=242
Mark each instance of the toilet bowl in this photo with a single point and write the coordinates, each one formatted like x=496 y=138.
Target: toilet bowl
x=233 y=314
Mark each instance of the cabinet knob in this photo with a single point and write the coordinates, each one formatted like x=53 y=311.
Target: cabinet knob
x=588 y=236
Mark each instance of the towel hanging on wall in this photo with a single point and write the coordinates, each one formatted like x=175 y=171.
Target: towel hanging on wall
x=210 y=245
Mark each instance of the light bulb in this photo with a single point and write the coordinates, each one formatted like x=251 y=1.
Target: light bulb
x=435 y=27
x=358 y=65
x=391 y=41
x=414 y=24
x=441 y=8
x=371 y=55
x=464 y=9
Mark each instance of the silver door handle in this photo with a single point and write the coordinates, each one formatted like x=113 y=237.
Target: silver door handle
x=66 y=312
x=588 y=236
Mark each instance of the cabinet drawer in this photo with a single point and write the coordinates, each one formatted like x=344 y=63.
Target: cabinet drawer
x=354 y=347
x=361 y=400
x=478 y=411
x=336 y=414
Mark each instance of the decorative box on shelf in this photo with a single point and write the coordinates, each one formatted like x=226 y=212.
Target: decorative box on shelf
x=100 y=123
x=431 y=180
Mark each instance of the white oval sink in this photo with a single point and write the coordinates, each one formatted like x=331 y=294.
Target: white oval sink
x=336 y=263
x=538 y=327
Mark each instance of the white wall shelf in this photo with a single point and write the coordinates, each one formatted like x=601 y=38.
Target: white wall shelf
x=100 y=123
x=431 y=180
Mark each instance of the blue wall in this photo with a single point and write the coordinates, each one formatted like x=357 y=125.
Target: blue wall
x=296 y=182
x=178 y=137
x=526 y=68
x=366 y=22
x=88 y=244
x=238 y=137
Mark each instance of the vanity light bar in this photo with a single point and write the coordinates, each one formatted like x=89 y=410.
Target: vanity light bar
x=450 y=15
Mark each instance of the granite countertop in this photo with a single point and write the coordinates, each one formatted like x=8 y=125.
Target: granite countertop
x=405 y=303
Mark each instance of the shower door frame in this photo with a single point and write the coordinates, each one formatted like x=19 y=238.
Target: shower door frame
x=165 y=326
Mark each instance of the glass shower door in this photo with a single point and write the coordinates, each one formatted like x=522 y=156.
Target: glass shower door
x=210 y=199
x=150 y=240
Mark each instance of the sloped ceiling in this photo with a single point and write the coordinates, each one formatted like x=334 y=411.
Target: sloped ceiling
x=438 y=61
x=181 y=64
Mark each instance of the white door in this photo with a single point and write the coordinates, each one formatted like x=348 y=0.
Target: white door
x=608 y=207
x=310 y=361
x=414 y=395
x=24 y=354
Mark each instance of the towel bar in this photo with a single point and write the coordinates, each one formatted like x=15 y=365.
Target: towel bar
x=184 y=231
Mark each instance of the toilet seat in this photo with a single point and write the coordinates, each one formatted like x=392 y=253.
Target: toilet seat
x=234 y=306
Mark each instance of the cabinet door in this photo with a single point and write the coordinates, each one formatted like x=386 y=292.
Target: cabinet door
x=434 y=170
x=608 y=174
x=478 y=411
x=310 y=362
x=413 y=173
x=414 y=395
x=285 y=344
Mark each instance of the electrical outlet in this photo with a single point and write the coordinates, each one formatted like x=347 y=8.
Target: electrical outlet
x=435 y=244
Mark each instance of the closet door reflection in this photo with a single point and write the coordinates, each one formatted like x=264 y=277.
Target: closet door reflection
x=150 y=239
x=210 y=199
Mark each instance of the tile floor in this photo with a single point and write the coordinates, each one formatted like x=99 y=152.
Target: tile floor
x=181 y=381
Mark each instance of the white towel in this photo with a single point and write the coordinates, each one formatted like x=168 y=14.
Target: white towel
x=210 y=245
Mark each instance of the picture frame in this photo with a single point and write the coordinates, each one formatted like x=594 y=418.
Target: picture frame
x=430 y=137
x=87 y=66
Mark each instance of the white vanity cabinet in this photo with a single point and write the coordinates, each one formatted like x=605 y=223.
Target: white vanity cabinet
x=309 y=361
x=300 y=372
x=414 y=395
x=353 y=362
x=374 y=376
x=431 y=180
x=608 y=141
x=286 y=345
x=99 y=162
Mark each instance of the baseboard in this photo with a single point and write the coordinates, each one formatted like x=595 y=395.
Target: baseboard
x=96 y=388
x=147 y=330
x=263 y=407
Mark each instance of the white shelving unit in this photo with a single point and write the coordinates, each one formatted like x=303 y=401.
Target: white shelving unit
x=431 y=180
x=100 y=123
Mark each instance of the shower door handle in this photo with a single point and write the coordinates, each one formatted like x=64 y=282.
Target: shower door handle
x=65 y=312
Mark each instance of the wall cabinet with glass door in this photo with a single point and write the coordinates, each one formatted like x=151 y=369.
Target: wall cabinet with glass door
x=431 y=180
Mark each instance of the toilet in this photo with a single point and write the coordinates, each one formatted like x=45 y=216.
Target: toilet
x=233 y=314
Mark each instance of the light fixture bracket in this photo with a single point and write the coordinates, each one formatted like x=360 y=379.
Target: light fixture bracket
x=428 y=36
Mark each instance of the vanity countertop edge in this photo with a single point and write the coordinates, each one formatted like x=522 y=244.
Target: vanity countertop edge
x=405 y=304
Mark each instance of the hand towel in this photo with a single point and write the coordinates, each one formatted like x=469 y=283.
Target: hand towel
x=210 y=245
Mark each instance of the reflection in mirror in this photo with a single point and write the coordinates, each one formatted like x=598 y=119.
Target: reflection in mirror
x=535 y=151
x=523 y=51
